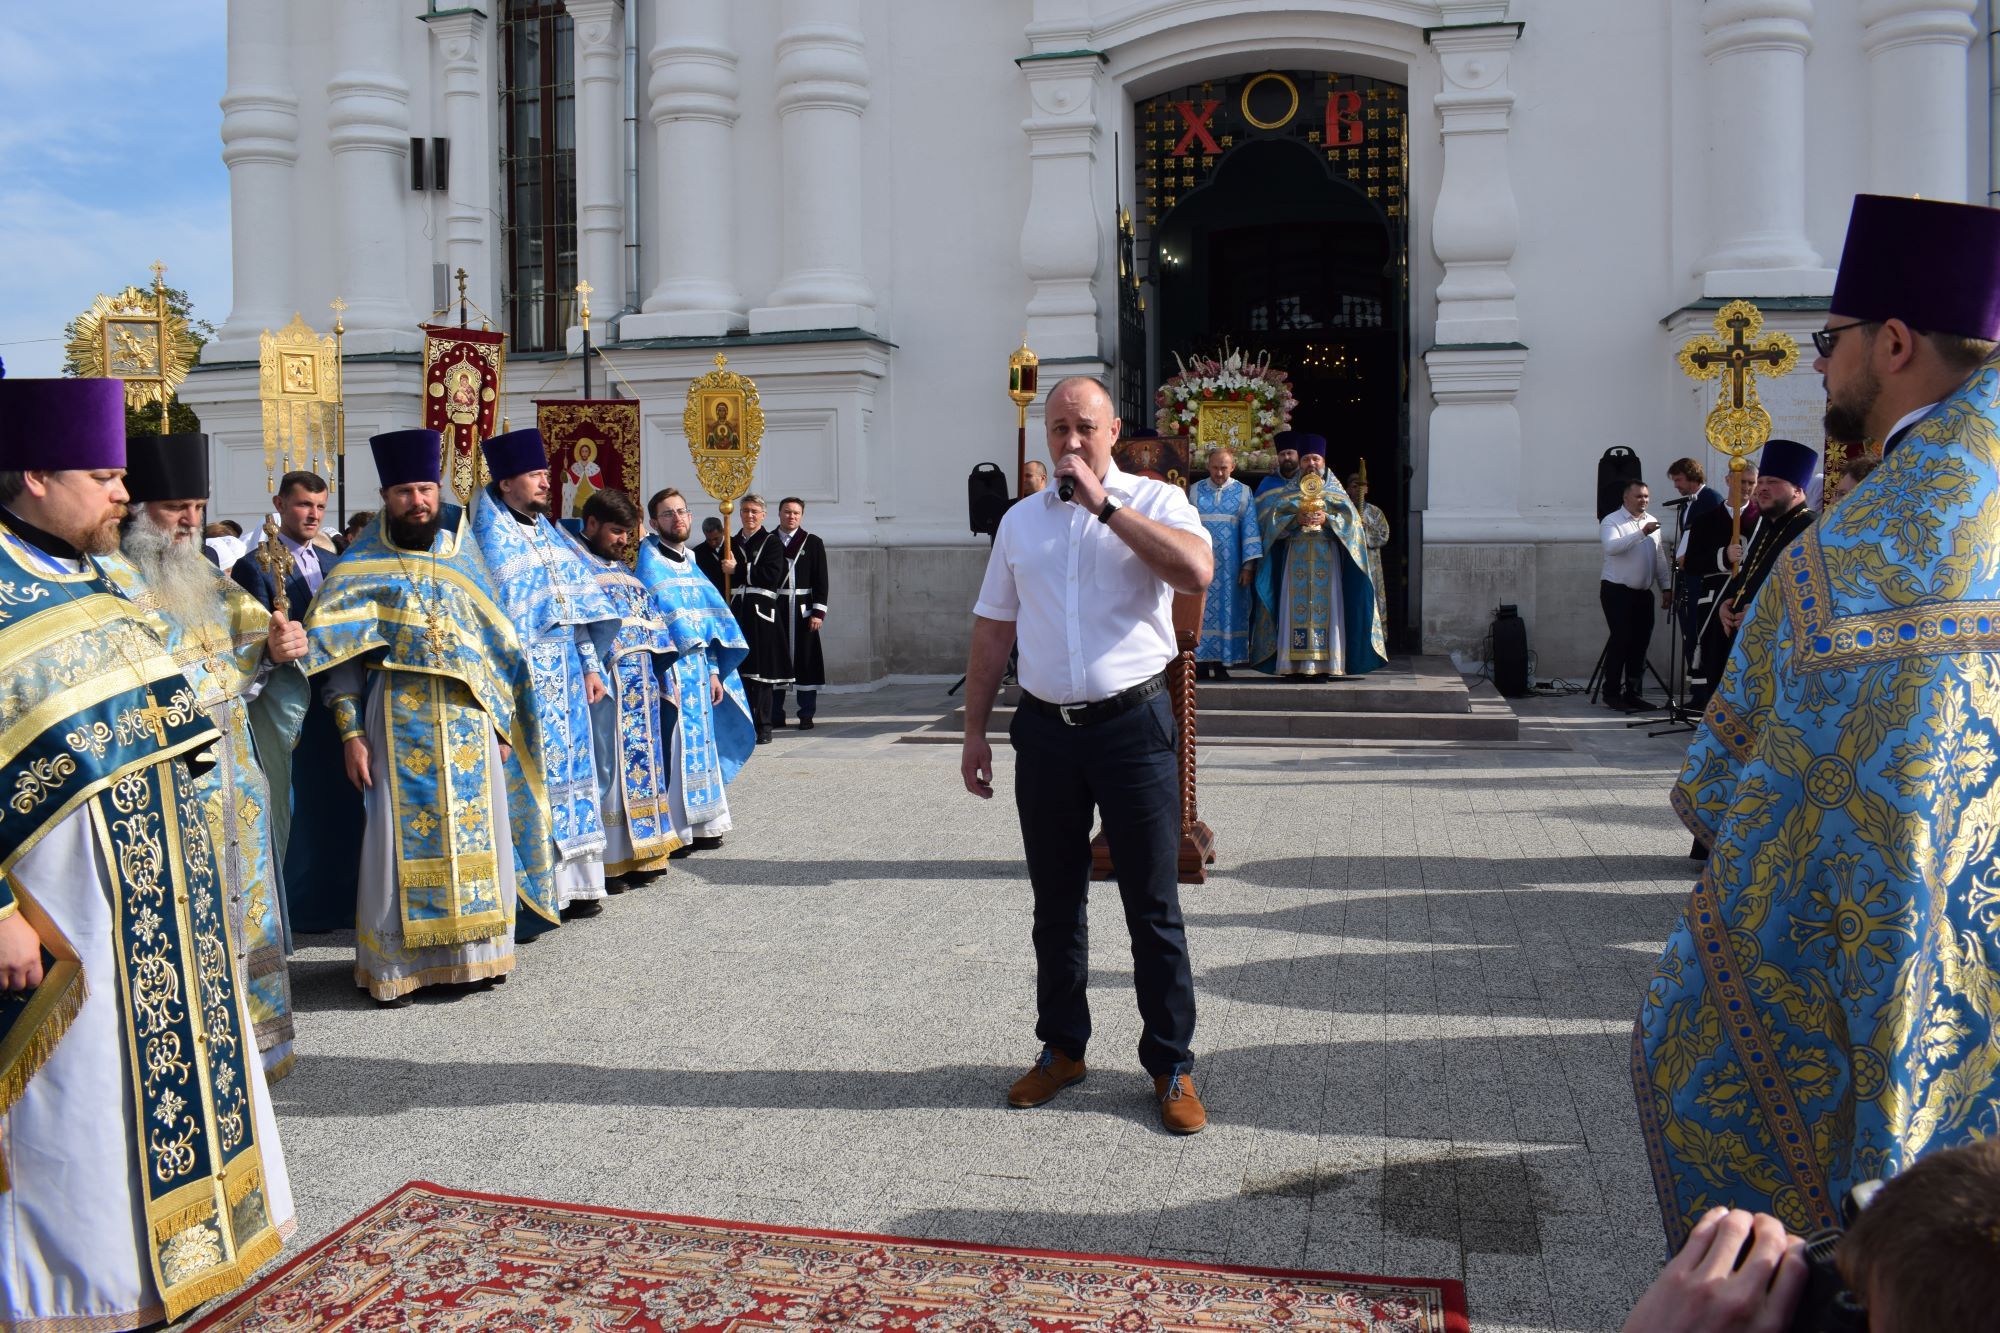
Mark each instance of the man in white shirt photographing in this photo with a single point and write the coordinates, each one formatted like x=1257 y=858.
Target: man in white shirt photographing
x=1084 y=575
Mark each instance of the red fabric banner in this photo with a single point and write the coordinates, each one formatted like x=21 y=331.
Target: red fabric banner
x=462 y=369
x=593 y=445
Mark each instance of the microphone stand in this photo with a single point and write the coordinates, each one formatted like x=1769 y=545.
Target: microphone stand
x=1678 y=717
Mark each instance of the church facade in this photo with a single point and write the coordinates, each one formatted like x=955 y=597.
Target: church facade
x=1475 y=233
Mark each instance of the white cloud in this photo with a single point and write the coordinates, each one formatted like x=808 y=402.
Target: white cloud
x=110 y=158
x=79 y=250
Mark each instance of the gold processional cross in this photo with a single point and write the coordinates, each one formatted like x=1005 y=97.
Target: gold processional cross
x=1740 y=352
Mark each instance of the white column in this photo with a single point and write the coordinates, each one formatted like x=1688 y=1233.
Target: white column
x=692 y=237
x=1917 y=95
x=1476 y=224
x=260 y=142
x=822 y=91
x=1062 y=237
x=368 y=129
x=1756 y=146
x=460 y=53
x=1473 y=476
x=599 y=27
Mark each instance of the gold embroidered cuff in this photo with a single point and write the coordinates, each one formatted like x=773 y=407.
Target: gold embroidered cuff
x=347 y=716
x=9 y=907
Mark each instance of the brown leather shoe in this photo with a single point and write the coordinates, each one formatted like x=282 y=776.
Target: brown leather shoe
x=1181 y=1110
x=1053 y=1072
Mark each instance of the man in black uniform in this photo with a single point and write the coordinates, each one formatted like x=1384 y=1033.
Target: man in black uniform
x=793 y=567
x=756 y=611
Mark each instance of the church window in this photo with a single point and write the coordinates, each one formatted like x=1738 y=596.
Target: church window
x=538 y=172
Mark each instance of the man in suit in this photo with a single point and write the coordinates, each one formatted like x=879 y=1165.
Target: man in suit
x=323 y=855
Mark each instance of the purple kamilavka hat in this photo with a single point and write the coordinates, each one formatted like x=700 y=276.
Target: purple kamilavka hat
x=61 y=425
x=1933 y=265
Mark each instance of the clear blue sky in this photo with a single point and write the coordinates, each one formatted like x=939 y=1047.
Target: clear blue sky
x=110 y=158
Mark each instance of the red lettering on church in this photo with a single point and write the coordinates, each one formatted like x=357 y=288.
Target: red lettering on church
x=1344 y=128
x=1197 y=127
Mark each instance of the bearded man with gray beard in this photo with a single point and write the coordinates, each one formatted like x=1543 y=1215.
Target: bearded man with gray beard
x=240 y=660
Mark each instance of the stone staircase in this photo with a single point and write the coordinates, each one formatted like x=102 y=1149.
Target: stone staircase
x=1419 y=699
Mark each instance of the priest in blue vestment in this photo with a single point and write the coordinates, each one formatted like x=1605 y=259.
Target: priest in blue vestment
x=140 y=1171
x=631 y=727
x=1316 y=614
x=1229 y=516
x=714 y=732
x=566 y=627
x=1827 y=1009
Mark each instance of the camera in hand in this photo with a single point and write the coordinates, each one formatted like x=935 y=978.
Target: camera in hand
x=1826 y=1305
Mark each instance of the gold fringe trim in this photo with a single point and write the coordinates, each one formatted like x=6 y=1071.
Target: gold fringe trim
x=453 y=931
x=227 y=1278
x=241 y=1183
x=40 y=1045
x=181 y=1219
x=455 y=974
x=645 y=865
x=282 y=1068
x=436 y=872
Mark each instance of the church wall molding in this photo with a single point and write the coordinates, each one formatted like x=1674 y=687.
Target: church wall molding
x=822 y=94
x=692 y=91
x=462 y=64
x=598 y=51
x=1917 y=95
x=260 y=147
x=1756 y=75
x=368 y=126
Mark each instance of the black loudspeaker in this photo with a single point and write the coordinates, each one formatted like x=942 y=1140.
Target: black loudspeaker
x=416 y=163
x=440 y=164
x=1618 y=468
x=1510 y=653
x=986 y=498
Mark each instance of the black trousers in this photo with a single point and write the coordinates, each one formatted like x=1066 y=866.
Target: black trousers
x=758 y=695
x=1125 y=768
x=808 y=703
x=1628 y=612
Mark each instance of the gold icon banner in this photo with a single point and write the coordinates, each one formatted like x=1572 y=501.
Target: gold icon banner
x=462 y=373
x=137 y=337
x=298 y=386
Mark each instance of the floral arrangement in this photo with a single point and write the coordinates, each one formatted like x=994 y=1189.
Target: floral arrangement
x=1232 y=377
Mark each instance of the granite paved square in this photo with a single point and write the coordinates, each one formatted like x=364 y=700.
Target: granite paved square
x=1417 y=970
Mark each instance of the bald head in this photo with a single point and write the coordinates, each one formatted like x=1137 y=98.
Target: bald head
x=1081 y=419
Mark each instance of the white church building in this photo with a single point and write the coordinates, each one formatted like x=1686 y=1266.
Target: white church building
x=1475 y=232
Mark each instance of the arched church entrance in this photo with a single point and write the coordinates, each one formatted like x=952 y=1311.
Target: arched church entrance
x=1272 y=217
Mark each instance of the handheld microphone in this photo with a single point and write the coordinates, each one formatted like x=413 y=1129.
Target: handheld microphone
x=1065 y=489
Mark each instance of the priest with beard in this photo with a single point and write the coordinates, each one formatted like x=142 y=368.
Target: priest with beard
x=241 y=660
x=1286 y=442
x=1826 y=1010
x=1315 y=614
x=631 y=726
x=566 y=626
x=106 y=1221
x=434 y=703
x=1783 y=473
x=714 y=731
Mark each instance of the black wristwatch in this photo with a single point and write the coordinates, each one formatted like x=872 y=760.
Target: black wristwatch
x=1111 y=506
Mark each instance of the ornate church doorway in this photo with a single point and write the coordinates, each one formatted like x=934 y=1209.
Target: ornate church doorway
x=1271 y=217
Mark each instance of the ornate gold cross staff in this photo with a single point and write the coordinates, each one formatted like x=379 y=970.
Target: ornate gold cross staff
x=1738 y=425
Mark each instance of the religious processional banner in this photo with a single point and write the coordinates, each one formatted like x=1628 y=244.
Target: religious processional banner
x=462 y=369
x=593 y=445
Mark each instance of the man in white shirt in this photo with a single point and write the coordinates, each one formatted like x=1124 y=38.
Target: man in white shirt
x=1084 y=574
x=1635 y=569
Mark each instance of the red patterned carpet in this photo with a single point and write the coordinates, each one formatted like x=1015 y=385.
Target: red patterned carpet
x=434 y=1260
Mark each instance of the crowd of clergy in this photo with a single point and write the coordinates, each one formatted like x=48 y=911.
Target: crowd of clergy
x=1298 y=588
x=470 y=726
x=475 y=723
